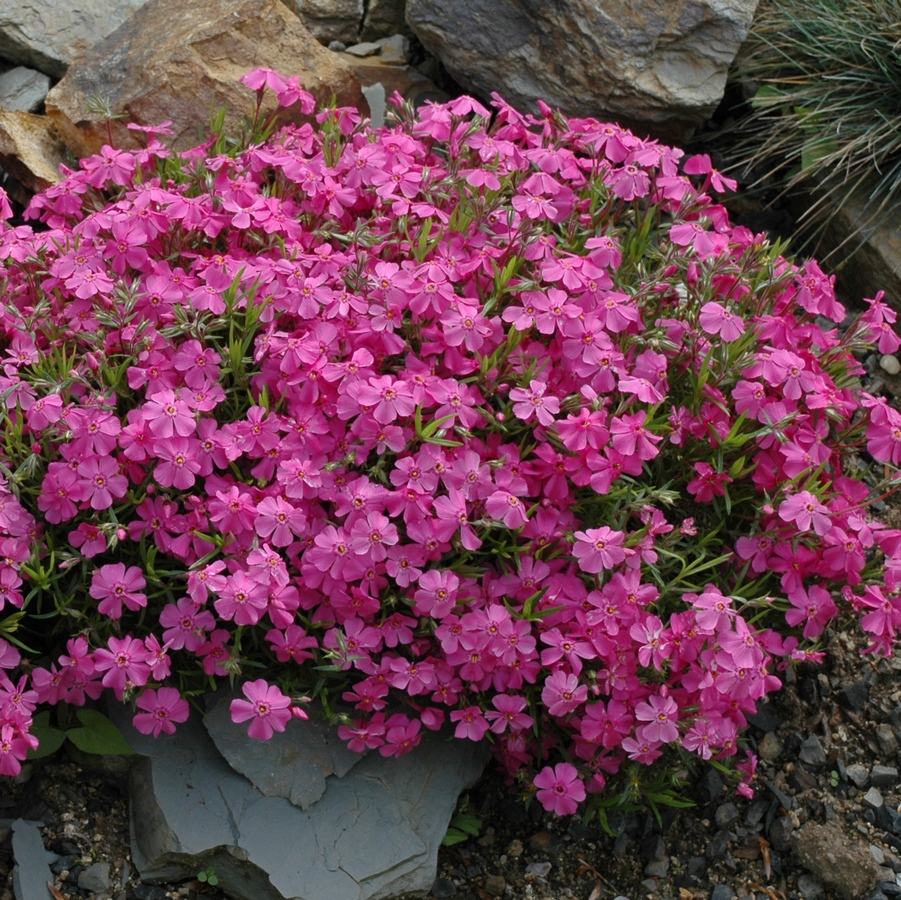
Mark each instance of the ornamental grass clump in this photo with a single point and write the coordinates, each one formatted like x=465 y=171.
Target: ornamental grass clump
x=491 y=423
x=827 y=105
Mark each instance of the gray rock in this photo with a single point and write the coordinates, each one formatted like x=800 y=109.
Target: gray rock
x=272 y=766
x=48 y=35
x=373 y=832
x=23 y=89
x=95 y=878
x=811 y=752
x=883 y=776
x=32 y=869
x=858 y=775
x=658 y=66
x=722 y=892
x=835 y=860
x=876 y=264
x=330 y=20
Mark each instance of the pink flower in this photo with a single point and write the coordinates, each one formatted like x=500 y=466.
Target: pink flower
x=114 y=585
x=661 y=714
x=598 y=549
x=562 y=693
x=242 y=599
x=13 y=748
x=168 y=415
x=124 y=660
x=266 y=706
x=559 y=789
x=716 y=319
x=806 y=511
x=101 y=481
x=163 y=709
x=532 y=401
x=502 y=505
x=471 y=723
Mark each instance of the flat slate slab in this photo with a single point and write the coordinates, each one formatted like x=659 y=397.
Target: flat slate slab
x=296 y=818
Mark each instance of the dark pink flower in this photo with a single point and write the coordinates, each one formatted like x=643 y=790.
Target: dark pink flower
x=163 y=709
x=267 y=708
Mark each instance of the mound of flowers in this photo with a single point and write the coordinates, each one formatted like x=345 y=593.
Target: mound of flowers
x=480 y=420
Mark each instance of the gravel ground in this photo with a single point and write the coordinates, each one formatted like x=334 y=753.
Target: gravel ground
x=824 y=822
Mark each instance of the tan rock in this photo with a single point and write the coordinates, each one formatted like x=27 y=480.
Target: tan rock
x=181 y=61
x=30 y=149
x=842 y=865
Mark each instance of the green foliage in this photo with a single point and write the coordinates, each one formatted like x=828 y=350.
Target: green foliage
x=463 y=825
x=208 y=876
x=89 y=731
x=827 y=108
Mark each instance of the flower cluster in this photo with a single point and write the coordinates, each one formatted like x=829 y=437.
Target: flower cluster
x=486 y=421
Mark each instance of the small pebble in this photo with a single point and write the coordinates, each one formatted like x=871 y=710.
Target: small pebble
x=540 y=841
x=443 y=887
x=890 y=364
x=514 y=849
x=495 y=885
x=883 y=776
x=888 y=743
x=858 y=775
x=810 y=888
x=770 y=747
x=873 y=799
x=811 y=752
x=722 y=892
x=726 y=815
x=538 y=869
x=367 y=48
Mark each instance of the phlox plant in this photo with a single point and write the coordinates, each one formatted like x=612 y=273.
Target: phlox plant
x=480 y=420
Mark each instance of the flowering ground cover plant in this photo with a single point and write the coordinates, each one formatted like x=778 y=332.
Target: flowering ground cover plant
x=487 y=422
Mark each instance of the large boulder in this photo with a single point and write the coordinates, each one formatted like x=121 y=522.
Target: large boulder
x=384 y=18
x=651 y=65
x=181 y=61
x=330 y=20
x=298 y=816
x=48 y=35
